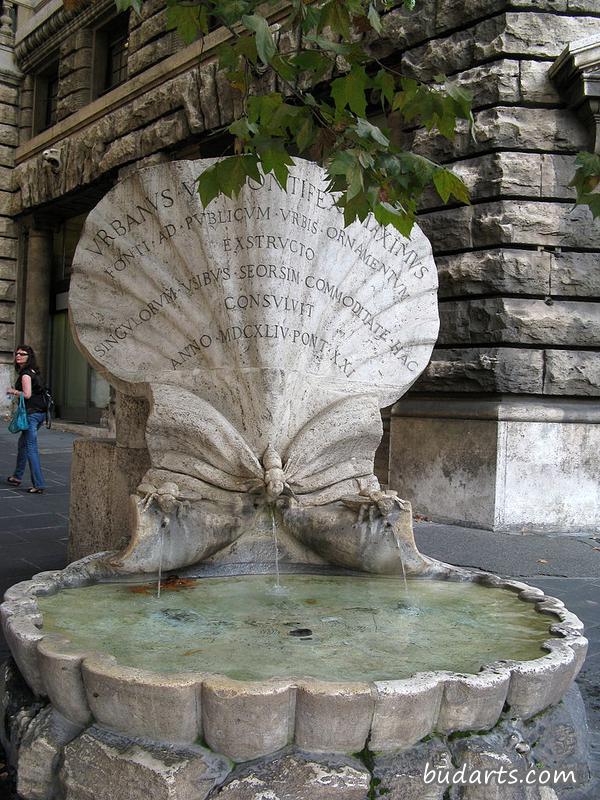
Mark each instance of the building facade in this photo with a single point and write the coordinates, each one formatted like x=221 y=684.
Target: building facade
x=503 y=429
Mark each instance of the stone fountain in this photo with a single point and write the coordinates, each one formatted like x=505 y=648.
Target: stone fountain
x=271 y=629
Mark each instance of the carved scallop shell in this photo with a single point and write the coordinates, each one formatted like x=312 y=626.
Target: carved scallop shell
x=264 y=306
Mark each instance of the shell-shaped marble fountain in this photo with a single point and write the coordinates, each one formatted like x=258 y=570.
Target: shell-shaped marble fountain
x=265 y=334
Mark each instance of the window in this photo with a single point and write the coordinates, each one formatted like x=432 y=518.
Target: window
x=110 y=55
x=45 y=98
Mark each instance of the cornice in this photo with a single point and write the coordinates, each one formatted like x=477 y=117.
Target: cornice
x=41 y=38
x=576 y=74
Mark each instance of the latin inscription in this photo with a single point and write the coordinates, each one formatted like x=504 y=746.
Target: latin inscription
x=164 y=218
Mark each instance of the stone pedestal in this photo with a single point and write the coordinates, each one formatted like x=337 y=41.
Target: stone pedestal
x=104 y=473
x=503 y=464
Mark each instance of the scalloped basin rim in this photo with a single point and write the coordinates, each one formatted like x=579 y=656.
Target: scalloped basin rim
x=315 y=715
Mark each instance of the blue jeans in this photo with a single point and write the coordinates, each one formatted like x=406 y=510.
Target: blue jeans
x=28 y=450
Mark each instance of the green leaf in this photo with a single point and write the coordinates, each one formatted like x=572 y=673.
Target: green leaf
x=386 y=84
x=367 y=130
x=278 y=162
x=189 y=20
x=123 y=5
x=386 y=214
x=447 y=183
x=335 y=15
x=592 y=200
x=374 y=18
x=265 y=44
x=351 y=91
x=232 y=173
x=208 y=185
x=306 y=135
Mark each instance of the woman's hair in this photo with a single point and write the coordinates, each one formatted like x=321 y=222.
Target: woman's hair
x=31 y=362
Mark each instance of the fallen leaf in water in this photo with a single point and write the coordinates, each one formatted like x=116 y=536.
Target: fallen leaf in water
x=542 y=561
x=145 y=589
x=311 y=601
x=171 y=584
x=193 y=652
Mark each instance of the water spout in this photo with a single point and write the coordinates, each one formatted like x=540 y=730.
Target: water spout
x=276 y=545
x=399 y=546
x=160 y=555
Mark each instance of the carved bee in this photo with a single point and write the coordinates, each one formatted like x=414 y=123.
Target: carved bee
x=273 y=481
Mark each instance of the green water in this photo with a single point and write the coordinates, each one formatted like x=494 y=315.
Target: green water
x=329 y=627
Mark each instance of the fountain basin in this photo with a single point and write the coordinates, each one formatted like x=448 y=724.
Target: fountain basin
x=252 y=714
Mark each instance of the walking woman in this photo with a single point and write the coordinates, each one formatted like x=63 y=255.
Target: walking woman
x=29 y=385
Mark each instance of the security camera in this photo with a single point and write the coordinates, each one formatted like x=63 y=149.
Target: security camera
x=52 y=158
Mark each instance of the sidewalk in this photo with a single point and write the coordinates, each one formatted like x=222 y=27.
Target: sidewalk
x=34 y=530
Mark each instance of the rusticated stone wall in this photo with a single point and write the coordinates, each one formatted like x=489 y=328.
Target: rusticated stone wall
x=518 y=268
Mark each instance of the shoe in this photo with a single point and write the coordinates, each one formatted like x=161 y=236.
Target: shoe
x=35 y=490
x=13 y=481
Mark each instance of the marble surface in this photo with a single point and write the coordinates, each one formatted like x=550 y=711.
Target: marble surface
x=264 y=306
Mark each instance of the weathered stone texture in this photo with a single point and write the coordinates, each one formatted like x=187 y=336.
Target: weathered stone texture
x=530 y=34
x=535 y=85
x=510 y=128
x=519 y=321
x=513 y=174
x=572 y=372
x=150 y=28
x=104 y=476
x=294 y=777
x=98 y=765
x=151 y=53
x=575 y=274
x=40 y=751
x=484 y=369
x=498 y=270
x=8 y=269
x=511 y=223
x=401 y=775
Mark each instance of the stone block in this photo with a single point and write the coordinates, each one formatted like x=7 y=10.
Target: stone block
x=532 y=34
x=8 y=228
x=535 y=85
x=332 y=718
x=501 y=369
x=98 y=765
x=295 y=777
x=150 y=29
x=75 y=81
x=468 y=466
x=9 y=95
x=400 y=775
x=509 y=128
x=39 y=754
x=449 y=15
x=405 y=711
x=447 y=56
x=8 y=270
x=6 y=201
x=131 y=416
x=139 y=703
x=446 y=466
x=60 y=664
x=7 y=336
x=7 y=293
x=519 y=321
x=102 y=478
x=497 y=82
x=561 y=738
x=150 y=54
x=501 y=270
x=401 y=28
x=149 y=9
x=572 y=372
x=9 y=248
x=575 y=274
x=7 y=156
x=247 y=720
x=509 y=223
x=472 y=702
